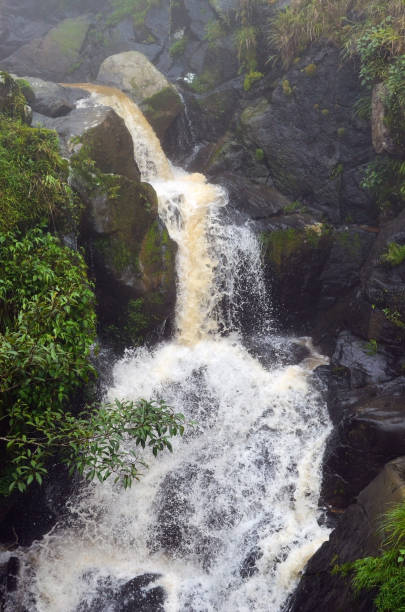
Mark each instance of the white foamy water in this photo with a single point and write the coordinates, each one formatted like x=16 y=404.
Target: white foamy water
x=229 y=519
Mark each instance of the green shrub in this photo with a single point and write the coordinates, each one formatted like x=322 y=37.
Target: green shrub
x=214 y=31
x=395 y=254
x=92 y=443
x=138 y=9
x=33 y=178
x=287 y=89
x=246 y=44
x=250 y=79
x=12 y=101
x=384 y=574
x=311 y=70
x=47 y=325
x=178 y=48
x=385 y=179
x=371 y=347
x=259 y=155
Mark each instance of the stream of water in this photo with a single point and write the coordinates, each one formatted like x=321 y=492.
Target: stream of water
x=227 y=522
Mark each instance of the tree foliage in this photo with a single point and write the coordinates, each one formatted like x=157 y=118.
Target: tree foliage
x=47 y=326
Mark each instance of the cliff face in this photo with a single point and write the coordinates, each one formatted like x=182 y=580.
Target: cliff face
x=294 y=150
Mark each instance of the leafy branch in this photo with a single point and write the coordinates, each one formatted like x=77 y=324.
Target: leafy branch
x=98 y=443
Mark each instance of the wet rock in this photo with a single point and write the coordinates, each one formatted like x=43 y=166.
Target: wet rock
x=370 y=432
x=110 y=142
x=342 y=272
x=13 y=570
x=130 y=254
x=248 y=567
x=355 y=536
x=248 y=200
x=384 y=282
x=51 y=99
x=133 y=73
x=141 y=594
x=366 y=363
x=295 y=252
x=176 y=532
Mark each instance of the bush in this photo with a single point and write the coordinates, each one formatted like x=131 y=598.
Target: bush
x=251 y=78
x=395 y=254
x=386 y=573
x=379 y=27
x=33 y=175
x=47 y=326
x=178 y=47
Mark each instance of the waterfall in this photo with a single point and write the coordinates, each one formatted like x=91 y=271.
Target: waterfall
x=227 y=522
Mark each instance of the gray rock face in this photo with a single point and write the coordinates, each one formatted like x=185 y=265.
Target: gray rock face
x=315 y=147
x=355 y=536
x=55 y=55
x=384 y=284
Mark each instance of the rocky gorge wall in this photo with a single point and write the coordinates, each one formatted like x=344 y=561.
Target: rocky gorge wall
x=292 y=152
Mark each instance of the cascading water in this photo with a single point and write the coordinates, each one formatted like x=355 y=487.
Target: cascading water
x=226 y=522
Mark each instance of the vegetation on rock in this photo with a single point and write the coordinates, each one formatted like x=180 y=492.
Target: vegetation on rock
x=395 y=254
x=137 y=9
x=384 y=574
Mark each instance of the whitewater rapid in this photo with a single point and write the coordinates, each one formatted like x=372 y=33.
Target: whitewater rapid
x=227 y=522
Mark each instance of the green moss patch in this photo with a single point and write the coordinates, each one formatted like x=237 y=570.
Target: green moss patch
x=70 y=35
x=281 y=245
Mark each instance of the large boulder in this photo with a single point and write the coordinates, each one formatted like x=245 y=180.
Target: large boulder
x=51 y=99
x=357 y=535
x=131 y=256
x=134 y=74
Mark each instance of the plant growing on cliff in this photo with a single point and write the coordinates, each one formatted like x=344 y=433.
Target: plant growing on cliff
x=384 y=574
x=385 y=179
x=394 y=255
x=379 y=27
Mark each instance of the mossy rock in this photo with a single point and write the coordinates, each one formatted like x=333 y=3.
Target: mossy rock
x=69 y=35
x=157 y=258
x=282 y=246
x=55 y=56
x=161 y=109
x=110 y=146
x=13 y=103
